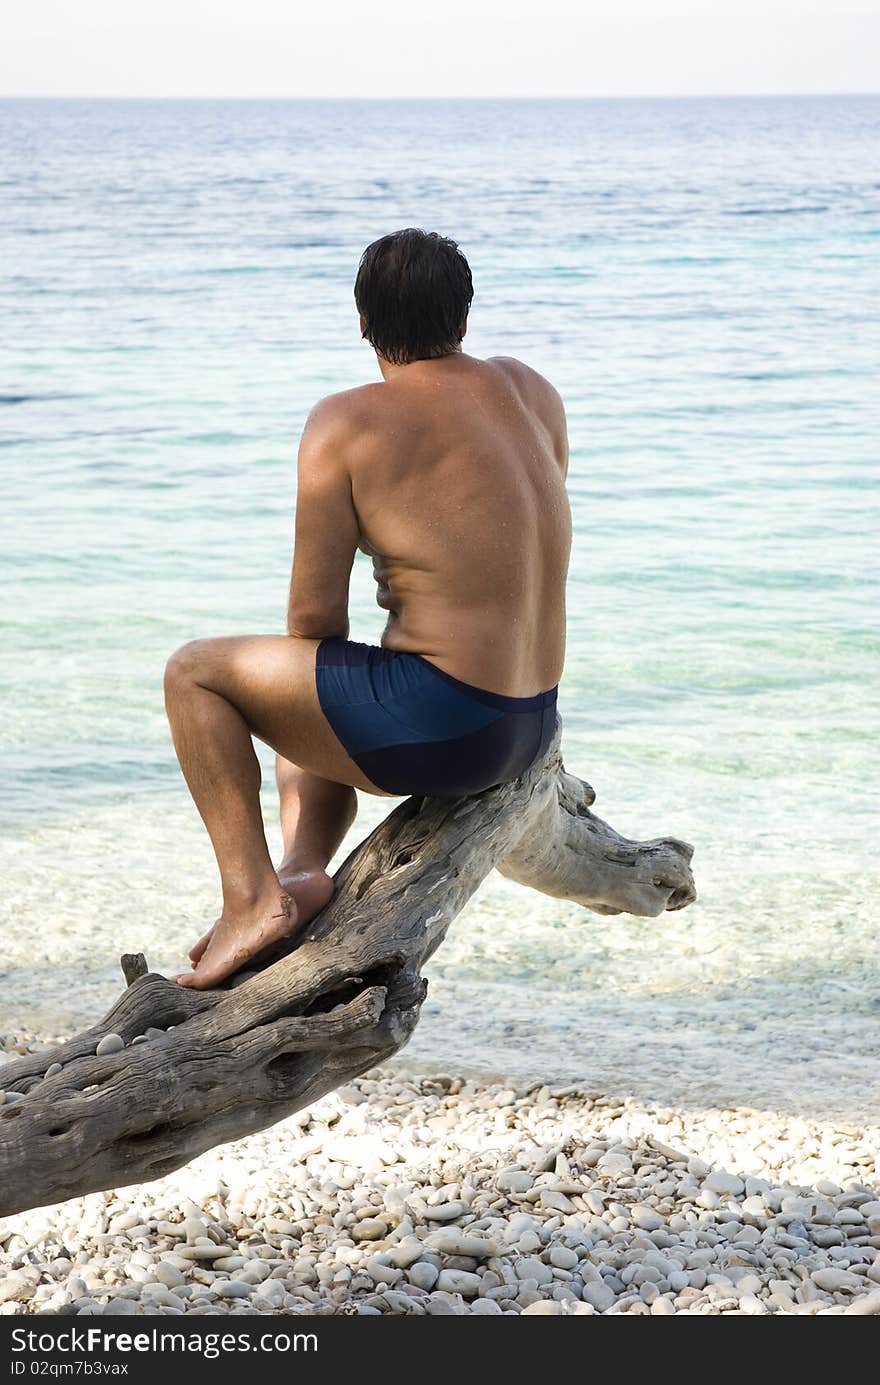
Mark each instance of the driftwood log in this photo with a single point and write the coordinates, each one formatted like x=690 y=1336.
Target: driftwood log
x=345 y=997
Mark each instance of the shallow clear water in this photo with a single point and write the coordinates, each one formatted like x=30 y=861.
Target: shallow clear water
x=699 y=278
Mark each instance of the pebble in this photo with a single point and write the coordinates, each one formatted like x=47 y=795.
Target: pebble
x=124 y=1221
x=424 y=1275
x=599 y=1295
x=194 y=1229
x=120 y=1307
x=720 y=1182
x=16 y=1288
x=444 y=1305
x=530 y=1267
x=451 y=1241
x=459 y=1282
x=832 y=1280
x=562 y=1257
x=111 y=1043
x=827 y=1188
x=615 y=1163
x=444 y=1211
x=370 y=1229
x=406 y=1252
x=825 y=1236
x=866 y=1305
x=645 y=1217
x=662 y=1306
x=748 y=1236
x=53 y=1069
x=556 y=1201
x=234 y=1288
x=513 y=1181
x=754 y=1206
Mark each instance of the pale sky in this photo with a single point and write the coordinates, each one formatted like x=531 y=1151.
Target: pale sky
x=455 y=48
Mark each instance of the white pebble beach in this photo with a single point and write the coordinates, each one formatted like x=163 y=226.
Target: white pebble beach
x=434 y=1194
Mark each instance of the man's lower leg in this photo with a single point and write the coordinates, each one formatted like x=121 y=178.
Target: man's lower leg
x=222 y=771
x=315 y=816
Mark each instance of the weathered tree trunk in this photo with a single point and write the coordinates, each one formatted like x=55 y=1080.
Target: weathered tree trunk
x=346 y=996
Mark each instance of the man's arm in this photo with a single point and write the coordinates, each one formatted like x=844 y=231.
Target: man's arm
x=326 y=533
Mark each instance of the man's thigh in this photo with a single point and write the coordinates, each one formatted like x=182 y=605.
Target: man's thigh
x=270 y=679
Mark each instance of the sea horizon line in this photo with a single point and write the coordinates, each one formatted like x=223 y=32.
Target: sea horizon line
x=424 y=99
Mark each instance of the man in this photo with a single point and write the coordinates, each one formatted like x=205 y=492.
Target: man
x=450 y=475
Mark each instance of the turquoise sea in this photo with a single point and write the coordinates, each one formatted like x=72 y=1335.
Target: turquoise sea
x=700 y=279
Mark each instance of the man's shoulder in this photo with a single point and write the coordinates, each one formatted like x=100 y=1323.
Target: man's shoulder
x=337 y=429
x=344 y=409
x=531 y=381
x=542 y=398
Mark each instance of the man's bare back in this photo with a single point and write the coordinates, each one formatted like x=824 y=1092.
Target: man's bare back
x=456 y=470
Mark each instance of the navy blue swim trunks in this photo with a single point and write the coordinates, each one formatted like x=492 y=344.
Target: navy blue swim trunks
x=414 y=729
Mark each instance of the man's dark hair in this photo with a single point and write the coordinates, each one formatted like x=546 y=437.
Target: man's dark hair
x=413 y=290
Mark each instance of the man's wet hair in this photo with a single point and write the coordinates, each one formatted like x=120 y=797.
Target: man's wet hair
x=413 y=290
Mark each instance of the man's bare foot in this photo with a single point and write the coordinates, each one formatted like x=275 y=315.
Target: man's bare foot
x=310 y=890
x=236 y=939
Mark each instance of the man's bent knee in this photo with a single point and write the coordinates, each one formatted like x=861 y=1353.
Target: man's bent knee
x=186 y=663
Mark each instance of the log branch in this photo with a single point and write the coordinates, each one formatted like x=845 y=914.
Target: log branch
x=217 y=1065
x=134 y=964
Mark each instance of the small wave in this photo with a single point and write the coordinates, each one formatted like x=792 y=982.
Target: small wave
x=689 y=259
x=325 y=243
x=778 y=211
x=242 y=269
x=32 y=398
x=40 y=440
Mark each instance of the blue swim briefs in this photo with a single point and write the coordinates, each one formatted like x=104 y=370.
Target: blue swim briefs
x=414 y=729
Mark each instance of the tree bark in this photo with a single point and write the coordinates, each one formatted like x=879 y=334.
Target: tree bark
x=345 y=997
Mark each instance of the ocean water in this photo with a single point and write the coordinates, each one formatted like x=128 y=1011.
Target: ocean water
x=699 y=278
